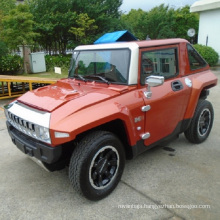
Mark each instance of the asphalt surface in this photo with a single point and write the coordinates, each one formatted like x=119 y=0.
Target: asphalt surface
x=179 y=181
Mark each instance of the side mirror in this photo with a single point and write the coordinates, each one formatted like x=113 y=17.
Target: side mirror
x=152 y=81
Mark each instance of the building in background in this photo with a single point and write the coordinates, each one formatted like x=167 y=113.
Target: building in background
x=209 y=22
x=20 y=1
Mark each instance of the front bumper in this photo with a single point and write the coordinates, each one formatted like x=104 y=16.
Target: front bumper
x=34 y=148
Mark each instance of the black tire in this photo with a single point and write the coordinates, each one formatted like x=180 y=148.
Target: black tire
x=97 y=164
x=201 y=124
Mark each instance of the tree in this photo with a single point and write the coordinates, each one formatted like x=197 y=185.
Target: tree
x=185 y=20
x=85 y=28
x=157 y=23
x=3 y=49
x=105 y=12
x=165 y=22
x=18 y=28
x=135 y=22
x=160 y=22
x=55 y=18
x=6 y=6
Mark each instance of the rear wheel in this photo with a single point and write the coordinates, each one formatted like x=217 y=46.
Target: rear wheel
x=97 y=164
x=201 y=124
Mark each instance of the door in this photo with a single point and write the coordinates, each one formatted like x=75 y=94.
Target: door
x=38 y=62
x=168 y=102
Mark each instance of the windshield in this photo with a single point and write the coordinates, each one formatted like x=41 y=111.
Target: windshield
x=110 y=66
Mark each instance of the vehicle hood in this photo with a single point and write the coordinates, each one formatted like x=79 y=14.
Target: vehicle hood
x=51 y=97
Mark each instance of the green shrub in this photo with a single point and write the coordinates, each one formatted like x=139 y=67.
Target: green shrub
x=10 y=64
x=58 y=61
x=3 y=49
x=208 y=53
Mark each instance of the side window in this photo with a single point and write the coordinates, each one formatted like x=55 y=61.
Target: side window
x=160 y=63
x=195 y=60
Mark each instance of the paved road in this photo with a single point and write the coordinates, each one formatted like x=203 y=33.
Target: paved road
x=163 y=183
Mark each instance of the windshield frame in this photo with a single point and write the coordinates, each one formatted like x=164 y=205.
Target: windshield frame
x=76 y=54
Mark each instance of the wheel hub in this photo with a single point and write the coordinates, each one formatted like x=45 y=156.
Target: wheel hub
x=102 y=166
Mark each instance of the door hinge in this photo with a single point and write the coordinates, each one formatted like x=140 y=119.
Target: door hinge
x=145 y=108
x=145 y=136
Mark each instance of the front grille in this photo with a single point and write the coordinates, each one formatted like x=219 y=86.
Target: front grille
x=29 y=121
x=22 y=125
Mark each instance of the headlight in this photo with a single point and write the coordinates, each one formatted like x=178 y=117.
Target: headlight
x=42 y=133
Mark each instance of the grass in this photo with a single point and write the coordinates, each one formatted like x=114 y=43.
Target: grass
x=50 y=74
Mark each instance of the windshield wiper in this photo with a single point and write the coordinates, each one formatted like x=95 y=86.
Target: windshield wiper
x=99 y=77
x=79 y=76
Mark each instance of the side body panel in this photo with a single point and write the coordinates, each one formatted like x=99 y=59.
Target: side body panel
x=167 y=110
x=125 y=107
x=200 y=81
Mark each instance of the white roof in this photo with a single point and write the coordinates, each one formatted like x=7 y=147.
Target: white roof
x=118 y=45
x=205 y=5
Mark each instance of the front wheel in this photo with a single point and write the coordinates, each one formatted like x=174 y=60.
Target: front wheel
x=201 y=124
x=97 y=164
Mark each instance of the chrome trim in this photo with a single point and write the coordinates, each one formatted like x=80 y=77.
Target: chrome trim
x=152 y=81
x=145 y=136
x=30 y=121
x=145 y=108
x=148 y=94
x=32 y=115
x=188 y=82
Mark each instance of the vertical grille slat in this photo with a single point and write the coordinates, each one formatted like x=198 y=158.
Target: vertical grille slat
x=24 y=126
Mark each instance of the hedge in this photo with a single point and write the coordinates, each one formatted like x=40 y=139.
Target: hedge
x=208 y=53
x=57 y=61
x=10 y=64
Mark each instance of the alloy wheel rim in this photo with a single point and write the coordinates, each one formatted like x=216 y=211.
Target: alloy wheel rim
x=104 y=167
x=204 y=122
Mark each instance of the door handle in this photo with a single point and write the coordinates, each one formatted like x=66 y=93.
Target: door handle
x=176 y=85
